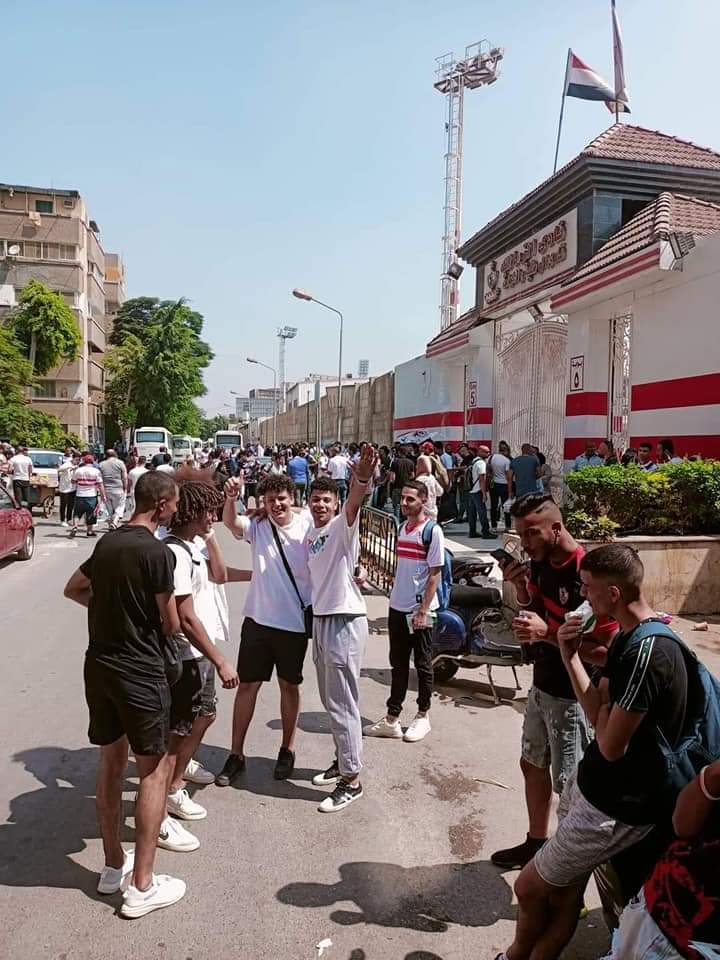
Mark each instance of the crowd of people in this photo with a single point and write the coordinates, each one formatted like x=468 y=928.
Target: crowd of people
x=613 y=688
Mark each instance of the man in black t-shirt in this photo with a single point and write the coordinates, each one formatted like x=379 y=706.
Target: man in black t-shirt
x=555 y=731
x=127 y=586
x=621 y=790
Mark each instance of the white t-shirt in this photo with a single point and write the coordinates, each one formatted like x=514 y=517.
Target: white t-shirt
x=86 y=479
x=133 y=476
x=338 y=467
x=434 y=490
x=479 y=469
x=333 y=552
x=22 y=467
x=322 y=463
x=271 y=599
x=413 y=566
x=191 y=578
x=66 y=483
x=499 y=463
x=166 y=468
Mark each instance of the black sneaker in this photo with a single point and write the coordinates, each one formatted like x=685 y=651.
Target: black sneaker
x=342 y=796
x=234 y=766
x=331 y=775
x=515 y=858
x=285 y=764
x=91 y=533
x=73 y=533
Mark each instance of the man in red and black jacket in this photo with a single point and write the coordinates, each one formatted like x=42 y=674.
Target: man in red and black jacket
x=555 y=730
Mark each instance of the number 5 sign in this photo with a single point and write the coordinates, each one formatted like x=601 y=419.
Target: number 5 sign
x=472 y=393
x=577 y=374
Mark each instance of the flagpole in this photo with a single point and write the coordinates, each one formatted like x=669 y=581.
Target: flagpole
x=562 y=110
x=612 y=17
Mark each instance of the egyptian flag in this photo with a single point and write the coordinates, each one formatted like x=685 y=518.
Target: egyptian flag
x=582 y=82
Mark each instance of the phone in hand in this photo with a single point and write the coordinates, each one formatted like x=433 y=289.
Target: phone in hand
x=502 y=556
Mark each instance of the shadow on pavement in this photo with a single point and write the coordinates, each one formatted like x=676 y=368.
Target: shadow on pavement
x=258 y=777
x=45 y=827
x=427 y=899
x=461 y=691
x=312 y=721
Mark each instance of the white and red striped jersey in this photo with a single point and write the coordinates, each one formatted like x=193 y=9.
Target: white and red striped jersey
x=86 y=480
x=413 y=565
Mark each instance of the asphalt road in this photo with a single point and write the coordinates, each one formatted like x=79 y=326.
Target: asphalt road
x=403 y=874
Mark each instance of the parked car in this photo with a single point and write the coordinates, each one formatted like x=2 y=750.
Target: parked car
x=44 y=480
x=17 y=534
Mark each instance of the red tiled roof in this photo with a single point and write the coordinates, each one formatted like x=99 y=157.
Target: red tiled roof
x=668 y=213
x=463 y=324
x=622 y=141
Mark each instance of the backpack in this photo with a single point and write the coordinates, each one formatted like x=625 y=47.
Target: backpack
x=440 y=472
x=700 y=743
x=446 y=580
x=469 y=480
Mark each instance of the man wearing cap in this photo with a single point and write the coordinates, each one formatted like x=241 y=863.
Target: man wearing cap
x=478 y=495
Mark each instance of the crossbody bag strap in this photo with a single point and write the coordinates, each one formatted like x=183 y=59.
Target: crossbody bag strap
x=284 y=559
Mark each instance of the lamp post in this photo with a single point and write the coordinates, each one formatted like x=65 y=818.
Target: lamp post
x=304 y=295
x=274 y=373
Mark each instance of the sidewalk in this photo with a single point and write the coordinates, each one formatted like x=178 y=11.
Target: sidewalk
x=456 y=535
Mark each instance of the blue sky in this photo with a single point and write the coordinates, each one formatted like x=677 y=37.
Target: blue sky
x=234 y=150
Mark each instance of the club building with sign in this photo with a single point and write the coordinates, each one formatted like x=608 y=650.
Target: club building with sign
x=590 y=291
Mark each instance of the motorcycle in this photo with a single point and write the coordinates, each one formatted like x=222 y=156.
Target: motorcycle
x=470 y=632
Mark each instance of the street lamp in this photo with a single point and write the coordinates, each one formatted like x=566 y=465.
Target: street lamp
x=304 y=295
x=274 y=373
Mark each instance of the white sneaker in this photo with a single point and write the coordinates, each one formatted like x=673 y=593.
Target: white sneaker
x=419 y=728
x=384 y=729
x=196 y=773
x=182 y=805
x=113 y=879
x=64 y=524
x=173 y=836
x=162 y=892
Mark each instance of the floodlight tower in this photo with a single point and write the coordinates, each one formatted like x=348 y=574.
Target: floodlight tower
x=480 y=68
x=284 y=334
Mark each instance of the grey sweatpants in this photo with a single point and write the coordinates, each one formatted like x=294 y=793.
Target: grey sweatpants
x=338 y=646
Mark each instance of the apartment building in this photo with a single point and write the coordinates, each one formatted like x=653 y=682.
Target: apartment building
x=114 y=288
x=47 y=235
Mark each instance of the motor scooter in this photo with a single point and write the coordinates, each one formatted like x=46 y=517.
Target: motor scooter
x=472 y=631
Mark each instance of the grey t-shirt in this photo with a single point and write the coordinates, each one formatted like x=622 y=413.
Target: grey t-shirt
x=524 y=470
x=113 y=470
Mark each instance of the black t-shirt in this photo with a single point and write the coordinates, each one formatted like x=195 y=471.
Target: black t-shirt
x=126 y=569
x=558 y=586
x=649 y=679
x=404 y=470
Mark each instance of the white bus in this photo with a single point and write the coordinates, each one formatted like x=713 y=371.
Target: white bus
x=182 y=448
x=226 y=439
x=148 y=441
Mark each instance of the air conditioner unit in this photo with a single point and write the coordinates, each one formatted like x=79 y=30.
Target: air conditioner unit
x=34 y=217
x=68 y=203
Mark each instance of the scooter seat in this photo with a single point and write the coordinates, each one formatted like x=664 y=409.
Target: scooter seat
x=470 y=597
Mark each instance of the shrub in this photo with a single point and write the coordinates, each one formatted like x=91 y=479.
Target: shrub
x=677 y=499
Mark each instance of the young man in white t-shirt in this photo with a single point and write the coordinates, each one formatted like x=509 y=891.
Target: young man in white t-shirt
x=413 y=597
x=193 y=696
x=273 y=634
x=89 y=493
x=338 y=469
x=340 y=627
x=478 y=495
x=21 y=467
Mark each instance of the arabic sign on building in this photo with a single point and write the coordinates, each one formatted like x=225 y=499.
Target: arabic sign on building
x=532 y=266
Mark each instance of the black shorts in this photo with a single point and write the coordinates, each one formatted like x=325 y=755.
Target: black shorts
x=86 y=507
x=136 y=707
x=262 y=648
x=185 y=698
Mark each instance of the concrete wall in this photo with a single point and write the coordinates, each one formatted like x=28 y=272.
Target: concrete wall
x=366 y=415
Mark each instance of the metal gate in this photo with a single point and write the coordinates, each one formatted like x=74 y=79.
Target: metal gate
x=530 y=387
x=619 y=383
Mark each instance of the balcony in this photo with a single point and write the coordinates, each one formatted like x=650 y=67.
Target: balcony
x=96 y=336
x=95 y=376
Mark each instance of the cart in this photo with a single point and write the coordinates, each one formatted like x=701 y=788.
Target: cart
x=42 y=494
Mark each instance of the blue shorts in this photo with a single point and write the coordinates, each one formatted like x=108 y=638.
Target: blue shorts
x=86 y=507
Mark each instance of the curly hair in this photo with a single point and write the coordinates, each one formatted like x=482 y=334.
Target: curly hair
x=276 y=483
x=197 y=494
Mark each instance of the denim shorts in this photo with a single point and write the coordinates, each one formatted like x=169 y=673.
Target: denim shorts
x=639 y=936
x=555 y=735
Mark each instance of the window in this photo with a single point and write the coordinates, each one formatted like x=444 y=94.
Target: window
x=5 y=501
x=33 y=250
x=44 y=206
x=66 y=251
x=45 y=388
x=46 y=459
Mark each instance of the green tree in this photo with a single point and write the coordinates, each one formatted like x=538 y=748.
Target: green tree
x=210 y=426
x=19 y=422
x=46 y=327
x=156 y=364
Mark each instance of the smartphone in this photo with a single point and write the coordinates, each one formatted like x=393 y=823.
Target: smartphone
x=502 y=556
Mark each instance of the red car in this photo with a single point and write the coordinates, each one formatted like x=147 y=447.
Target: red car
x=17 y=534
